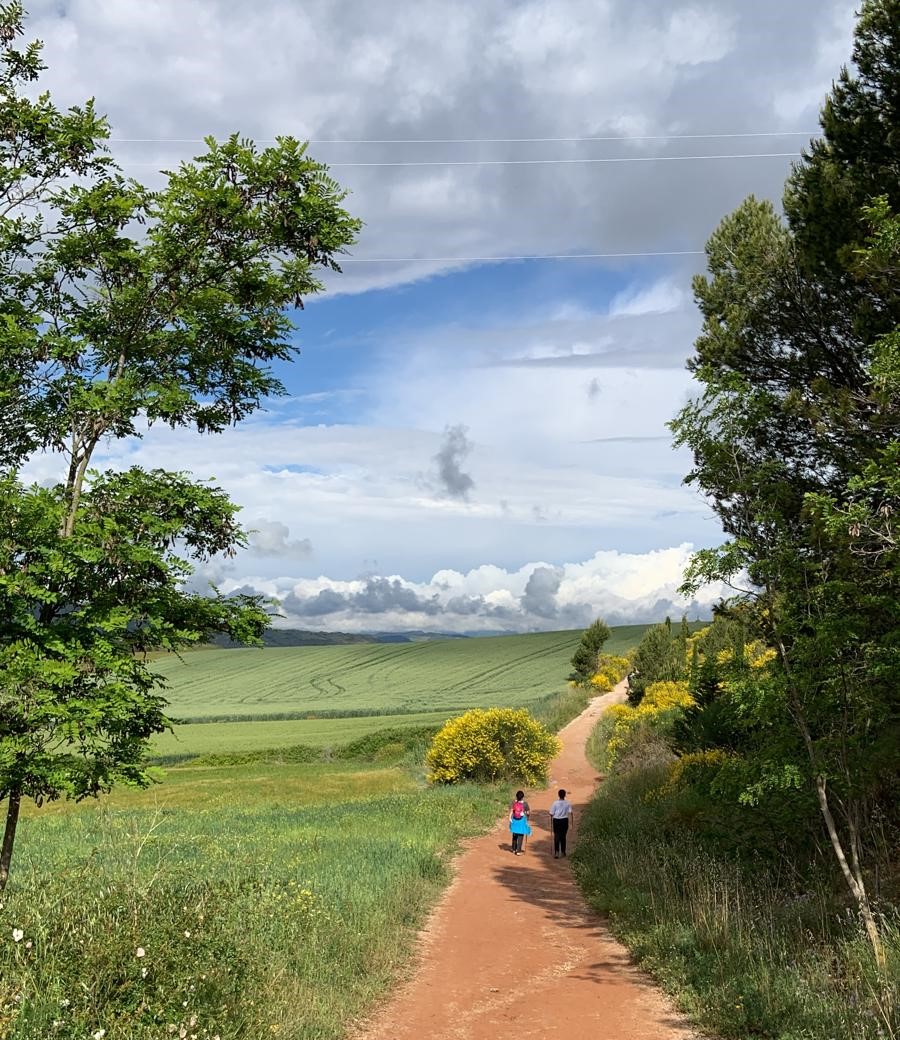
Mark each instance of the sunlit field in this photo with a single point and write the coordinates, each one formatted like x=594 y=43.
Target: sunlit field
x=427 y=676
x=271 y=882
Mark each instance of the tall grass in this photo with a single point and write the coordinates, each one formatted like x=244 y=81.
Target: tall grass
x=744 y=957
x=557 y=709
x=247 y=920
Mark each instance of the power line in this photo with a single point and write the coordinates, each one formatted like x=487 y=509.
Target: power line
x=505 y=259
x=491 y=140
x=539 y=162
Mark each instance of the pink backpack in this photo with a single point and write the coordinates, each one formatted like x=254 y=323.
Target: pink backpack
x=518 y=810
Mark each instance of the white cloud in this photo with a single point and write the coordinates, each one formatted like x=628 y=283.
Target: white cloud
x=621 y=587
x=661 y=297
x=272 y=538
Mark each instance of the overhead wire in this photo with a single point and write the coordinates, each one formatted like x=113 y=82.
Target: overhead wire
x=491 y=140
x=519 y=162
x=538 y=162
x=505 y=259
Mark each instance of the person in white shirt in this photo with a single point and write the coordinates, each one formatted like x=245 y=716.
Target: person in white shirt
x=560 y=815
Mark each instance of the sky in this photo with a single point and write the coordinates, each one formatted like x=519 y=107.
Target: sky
x=468 y=445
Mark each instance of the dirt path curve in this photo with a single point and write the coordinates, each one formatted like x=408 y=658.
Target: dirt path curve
x=513 y=951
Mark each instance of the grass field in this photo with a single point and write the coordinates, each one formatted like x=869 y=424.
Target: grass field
x=438 y=675
x=196 y=739
x=265 y=903
x=266 y=895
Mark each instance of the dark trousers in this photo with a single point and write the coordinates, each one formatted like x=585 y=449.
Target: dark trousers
x=517 y=842
x=560 y=828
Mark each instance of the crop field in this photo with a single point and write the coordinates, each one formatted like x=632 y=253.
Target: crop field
x=208 y=738
x=433 y=676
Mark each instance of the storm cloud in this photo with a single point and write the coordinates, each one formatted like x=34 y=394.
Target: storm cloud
x=456 y=447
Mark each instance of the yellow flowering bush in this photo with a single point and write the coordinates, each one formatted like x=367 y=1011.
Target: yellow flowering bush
x=610 y=670
x=684 y=769
x=760 y=655
x=659 y=699
x=488 y=744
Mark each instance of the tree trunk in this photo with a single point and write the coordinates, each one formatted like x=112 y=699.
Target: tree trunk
x=9 y=835
x=852 y=875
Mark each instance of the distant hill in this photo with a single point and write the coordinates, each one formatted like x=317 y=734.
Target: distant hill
x=302 y=637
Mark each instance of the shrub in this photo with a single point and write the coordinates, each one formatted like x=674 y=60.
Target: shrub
x=610 y=670
x=491 y=744
x=662 y=703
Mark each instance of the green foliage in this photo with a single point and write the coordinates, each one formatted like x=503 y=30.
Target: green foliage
x=584 y=660
x=120 y=307
x=486 y=745
x=661 y=656
x=795 y=442
x=77 y=701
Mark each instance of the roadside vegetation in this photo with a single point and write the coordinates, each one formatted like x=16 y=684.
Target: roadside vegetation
x=745 y=842
x=721 y=884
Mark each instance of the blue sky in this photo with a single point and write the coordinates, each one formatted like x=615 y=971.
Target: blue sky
x=471 y=446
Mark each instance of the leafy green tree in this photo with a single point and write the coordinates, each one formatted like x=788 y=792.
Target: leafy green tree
x=122 y=307
x=584 y=660
x=661 y=656
x=794 y=430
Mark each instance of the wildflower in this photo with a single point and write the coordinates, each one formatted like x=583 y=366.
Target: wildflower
x=18 y=935
x=143 y=973
x=99 y=1034
x=140 y=952
x=187 y=935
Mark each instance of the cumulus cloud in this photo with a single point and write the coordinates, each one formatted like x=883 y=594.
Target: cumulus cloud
x=540 y=592
x=454 y=450
x=272 y=538
x=623 y=588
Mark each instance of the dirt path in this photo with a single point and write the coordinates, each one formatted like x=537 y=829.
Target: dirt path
x=513 y=951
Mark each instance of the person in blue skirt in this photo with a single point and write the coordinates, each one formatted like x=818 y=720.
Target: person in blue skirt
x=519 y=811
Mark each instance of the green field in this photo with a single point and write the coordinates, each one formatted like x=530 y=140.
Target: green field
x=433 y=676
x=208 y=738
x=249 y=902
x=268 y=895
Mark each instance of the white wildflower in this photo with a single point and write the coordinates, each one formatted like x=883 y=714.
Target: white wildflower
x=18 y=935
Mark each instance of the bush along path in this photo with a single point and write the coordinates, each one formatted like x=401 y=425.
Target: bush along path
x=512 y=948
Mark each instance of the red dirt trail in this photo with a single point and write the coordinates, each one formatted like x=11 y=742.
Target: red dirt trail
x=512 y=949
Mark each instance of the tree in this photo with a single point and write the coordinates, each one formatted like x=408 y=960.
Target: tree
x=661 y=656
x=794 y=430
x=584 y=660
x=122 y=307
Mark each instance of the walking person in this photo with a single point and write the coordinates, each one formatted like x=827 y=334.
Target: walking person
x=560 y=816
x=519 y=811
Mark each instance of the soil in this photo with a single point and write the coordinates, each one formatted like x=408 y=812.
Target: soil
x=513 y=950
